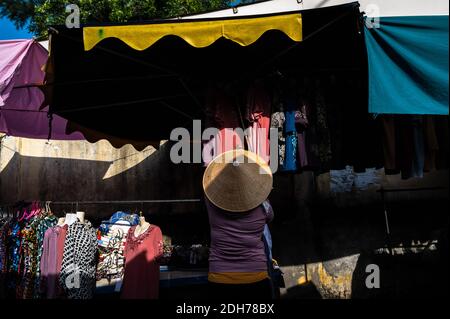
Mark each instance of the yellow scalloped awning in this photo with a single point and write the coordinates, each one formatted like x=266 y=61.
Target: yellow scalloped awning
x=199 y=34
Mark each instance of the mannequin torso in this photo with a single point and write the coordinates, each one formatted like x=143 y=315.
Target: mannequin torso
x=80 y=216
x=142 y=227
x=70 y=219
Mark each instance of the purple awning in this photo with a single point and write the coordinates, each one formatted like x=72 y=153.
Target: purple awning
x=21 y=70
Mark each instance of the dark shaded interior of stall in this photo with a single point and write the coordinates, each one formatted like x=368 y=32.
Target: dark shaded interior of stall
x=146 y=94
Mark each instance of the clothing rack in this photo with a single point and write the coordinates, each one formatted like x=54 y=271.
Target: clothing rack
x=129 y=201
x=76 y=203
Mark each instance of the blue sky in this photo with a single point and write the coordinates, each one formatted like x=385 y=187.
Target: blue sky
x=8 y=31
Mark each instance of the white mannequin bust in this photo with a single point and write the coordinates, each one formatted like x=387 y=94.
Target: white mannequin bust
x=70 y=219
x=61 y=221
x=142 y=227
x=80 y=216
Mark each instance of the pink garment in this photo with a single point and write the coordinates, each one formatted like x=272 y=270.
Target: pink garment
x=51 y=260
x=222 y=115
x=21 y=69
x=302 y=123
x=258 y=114
x=142 y=253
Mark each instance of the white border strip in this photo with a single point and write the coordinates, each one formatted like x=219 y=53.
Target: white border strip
x=383 y=8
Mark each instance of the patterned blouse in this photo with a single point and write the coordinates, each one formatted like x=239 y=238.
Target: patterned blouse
x=79 y=261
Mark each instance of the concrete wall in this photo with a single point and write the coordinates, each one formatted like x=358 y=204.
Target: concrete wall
x=81 y=171
x=322 y=241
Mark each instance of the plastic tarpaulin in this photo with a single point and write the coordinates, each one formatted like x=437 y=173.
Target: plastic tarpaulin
x=21 y=63
x=408 y=65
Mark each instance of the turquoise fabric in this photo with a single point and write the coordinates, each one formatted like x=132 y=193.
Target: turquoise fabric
x=408 y=65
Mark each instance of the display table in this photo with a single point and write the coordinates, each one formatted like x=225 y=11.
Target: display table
x=168 y=279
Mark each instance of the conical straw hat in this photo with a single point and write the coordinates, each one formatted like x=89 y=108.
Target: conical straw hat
x=237 y=181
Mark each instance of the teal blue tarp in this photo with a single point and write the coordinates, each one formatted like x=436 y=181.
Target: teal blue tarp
x=408 y=65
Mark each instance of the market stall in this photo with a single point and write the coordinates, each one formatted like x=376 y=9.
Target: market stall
x=308 y=72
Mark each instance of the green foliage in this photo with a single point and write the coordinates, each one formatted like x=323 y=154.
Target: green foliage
x=52 y=12
x=176 y=8
x=18 y=11
x=40 y=14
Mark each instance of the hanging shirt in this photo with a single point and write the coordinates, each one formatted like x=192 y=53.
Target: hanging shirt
x=51 y=260
x=222 y=115
x=79 y=261
x=258 y=115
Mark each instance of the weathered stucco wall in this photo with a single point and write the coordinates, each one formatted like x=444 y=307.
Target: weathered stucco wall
x=322 y=241
x=81 y=171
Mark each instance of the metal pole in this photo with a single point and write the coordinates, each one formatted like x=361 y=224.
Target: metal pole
x=131 y=201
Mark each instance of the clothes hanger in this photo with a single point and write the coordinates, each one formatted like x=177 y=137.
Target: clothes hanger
x=45 y=209
x=24 y=214
x=34 y=211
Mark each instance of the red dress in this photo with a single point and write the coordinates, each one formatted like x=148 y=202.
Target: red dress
x=142 y=253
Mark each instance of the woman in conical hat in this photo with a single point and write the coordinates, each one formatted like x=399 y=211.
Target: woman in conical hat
x=236 y=185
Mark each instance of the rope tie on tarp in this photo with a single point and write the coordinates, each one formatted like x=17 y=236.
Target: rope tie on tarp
x=50 y=121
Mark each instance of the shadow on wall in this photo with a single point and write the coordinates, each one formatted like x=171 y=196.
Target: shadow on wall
x=56 y=179
x=155 y=178
x=316 y=233
x=304 y=291
x=409 y=275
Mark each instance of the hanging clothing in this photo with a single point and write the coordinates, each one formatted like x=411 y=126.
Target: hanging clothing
x=302 y=123
x=431 y=143
x=4 y=231
x=27 y=262
x=32 y=225
x=221 y=114
x=44 y=224
x=277 y=121
x=51 y=261
x=132 y=219
x=442 y=132
x=3 y=247
x=290 y=161
x=406 y=150
x=14 y=241
x=258 y=115
x=111 y=249
x=317 y=139
x=142 y=254
x=79 y=261
x=419 y=147
x=389 y=144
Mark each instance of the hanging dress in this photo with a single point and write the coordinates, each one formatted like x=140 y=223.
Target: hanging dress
x=142 y=253
x=290 y=160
